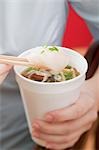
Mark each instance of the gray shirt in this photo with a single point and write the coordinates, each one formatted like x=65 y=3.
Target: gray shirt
x=25 y=24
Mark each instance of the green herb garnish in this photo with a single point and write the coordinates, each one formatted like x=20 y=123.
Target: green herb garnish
x=68 y=67
x=42 y=51
x=29 y=69
x=68 y=75
x=45 y=46
x=54 y=48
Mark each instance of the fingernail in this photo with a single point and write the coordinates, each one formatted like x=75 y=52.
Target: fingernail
x=49 y=118
x=36 y=126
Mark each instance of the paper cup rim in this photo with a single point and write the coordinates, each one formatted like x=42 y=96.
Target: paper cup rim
x=55 y=83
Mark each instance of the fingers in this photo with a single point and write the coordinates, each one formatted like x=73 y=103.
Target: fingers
x=48 y=128
x=89 y=118
x=70 y=142
x=66 y=127
x=82 y=106
x=60 y=139
x=55 y=146
x=4 y=68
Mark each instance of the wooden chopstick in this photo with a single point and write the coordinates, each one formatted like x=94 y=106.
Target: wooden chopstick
x=12 y=60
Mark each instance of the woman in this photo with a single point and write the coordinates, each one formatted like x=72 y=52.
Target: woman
x=25 y=24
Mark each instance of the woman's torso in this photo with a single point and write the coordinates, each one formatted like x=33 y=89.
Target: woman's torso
x=24 y=24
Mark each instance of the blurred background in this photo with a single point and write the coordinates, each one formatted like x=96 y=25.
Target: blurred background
x=77 y=36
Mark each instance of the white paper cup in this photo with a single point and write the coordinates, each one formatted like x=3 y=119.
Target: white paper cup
x=40 y=98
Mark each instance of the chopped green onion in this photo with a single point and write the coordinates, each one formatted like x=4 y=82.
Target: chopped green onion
x=68 y=75
x=54 y=48
x=29 y=69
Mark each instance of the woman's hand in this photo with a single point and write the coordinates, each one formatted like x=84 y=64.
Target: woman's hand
x=4 y=69
x=62 y=128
